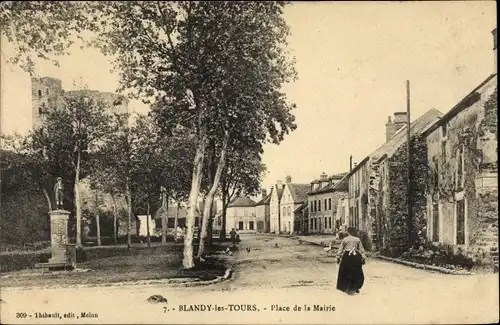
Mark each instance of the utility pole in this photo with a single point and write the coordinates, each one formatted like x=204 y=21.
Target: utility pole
x=408 y=154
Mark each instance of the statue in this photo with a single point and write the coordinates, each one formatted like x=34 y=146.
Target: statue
x=59 y=193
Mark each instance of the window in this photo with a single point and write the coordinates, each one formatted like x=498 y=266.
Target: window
x=196 y=222
x=240 y=225
x=311 y=224
x=47 y=91
x=315 y=206
x=40 y=93
x=329 y=203
x=330 y=222
x=326 y=223
x=289 y=211
x=311 y=209
x=460 y=169
x=435 y=221
x=250 y=225
x=319 y=205
x=325 y=205
x=460 y=222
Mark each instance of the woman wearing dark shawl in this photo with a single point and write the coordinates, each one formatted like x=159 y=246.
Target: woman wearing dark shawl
x=351 y=256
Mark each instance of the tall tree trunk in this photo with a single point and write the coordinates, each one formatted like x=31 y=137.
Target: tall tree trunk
x=207 y=211
x=176 y=222
x=129 y=213
x=97 y=219
x=164 y=219
x=222 y=234
x=147 y=225
x=188 y=262
x=115 y=215
x=77 y=203
x=47 y=197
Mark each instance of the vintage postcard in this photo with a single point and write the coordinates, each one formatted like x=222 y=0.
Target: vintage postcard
x=257 y=162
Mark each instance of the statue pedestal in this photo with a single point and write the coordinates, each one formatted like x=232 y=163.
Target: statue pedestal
x=58 y=235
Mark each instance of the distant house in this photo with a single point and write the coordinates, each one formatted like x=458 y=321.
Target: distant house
x=262 y=213
x=301 y=218
x=364 y=180
x=241 y=215
x=323 y=197
x=294 y=195
x=462 y=150
x=274 y=207
x=180 y=212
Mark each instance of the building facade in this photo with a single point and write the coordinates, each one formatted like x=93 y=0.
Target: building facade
x=294 y=195
x=462 y=197
x=262 y=213
x=301 y=215
x=241 y=215
x=323 y=200
x=274 y=207
x=364 y=178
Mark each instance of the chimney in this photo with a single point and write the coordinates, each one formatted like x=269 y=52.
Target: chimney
x=390 y=129
x=323 y=177
x=355 y=164
x=279 y=183
x=263 y=192
x=350 y=158
x=400 y=118
x=494 y=32
x=289 y=179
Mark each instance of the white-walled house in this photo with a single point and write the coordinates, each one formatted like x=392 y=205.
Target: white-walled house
x=241 y=215
x=274 y=207
x=294 y=195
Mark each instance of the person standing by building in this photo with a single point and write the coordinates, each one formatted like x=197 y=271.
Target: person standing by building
x=351 y=257
x=232 y=235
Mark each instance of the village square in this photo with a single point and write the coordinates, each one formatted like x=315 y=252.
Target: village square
x=200 y=190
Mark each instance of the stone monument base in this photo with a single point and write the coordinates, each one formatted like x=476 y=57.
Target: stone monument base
x=59 y=236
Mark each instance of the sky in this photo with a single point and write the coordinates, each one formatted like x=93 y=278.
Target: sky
x=352 y=59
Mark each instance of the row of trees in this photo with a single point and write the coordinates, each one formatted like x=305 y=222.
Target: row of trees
x=213 y=68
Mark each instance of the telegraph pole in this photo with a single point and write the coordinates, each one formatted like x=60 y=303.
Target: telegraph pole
x=408 y=154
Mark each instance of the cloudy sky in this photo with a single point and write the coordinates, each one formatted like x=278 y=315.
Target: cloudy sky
x=353 y=60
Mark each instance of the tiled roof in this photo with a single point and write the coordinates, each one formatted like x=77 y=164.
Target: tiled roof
x=279 y=191
x=241 y=202
x=417 y=126
x=301 y=207
x=265 y=200
x=298 y=191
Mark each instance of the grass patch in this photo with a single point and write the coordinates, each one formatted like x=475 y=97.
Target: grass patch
x=113 y=264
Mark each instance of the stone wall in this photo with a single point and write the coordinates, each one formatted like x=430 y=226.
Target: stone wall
x=397 y=231
x=473 y=130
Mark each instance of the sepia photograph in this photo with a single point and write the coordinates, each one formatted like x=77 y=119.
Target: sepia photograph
x=249 y=162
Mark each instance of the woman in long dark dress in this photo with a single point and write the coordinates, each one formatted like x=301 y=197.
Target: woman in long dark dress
x=351 y=256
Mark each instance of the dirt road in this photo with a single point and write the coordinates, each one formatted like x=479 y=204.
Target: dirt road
x=269 y=282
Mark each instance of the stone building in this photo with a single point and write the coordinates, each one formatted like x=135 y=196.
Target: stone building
x=462 y=196
x=323 y=197
x=47 y=94
x=241 y=215
x=274 y=207
x=262 y=212
x=294 y=195
x=365 y=177
x=301 y=218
